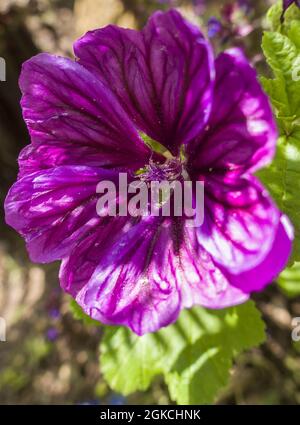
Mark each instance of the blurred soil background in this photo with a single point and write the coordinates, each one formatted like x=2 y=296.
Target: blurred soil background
x=49 y=356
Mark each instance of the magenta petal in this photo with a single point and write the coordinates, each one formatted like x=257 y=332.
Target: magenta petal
x=241 y=133
x=163 y=75
x=53 y=209
x=240 y=222
x=276 y=260
x=200 y=280
x=126 y=277
x=221 y=288
x=141 y=274
x=49 y=155
x=72 y=115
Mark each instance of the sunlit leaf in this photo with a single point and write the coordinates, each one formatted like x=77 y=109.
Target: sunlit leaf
x=194 y=355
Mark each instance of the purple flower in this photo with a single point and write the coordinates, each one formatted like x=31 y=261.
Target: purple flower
x=214 y=27
x=85 y=119
x=54 y=313
x=52 y=334
x=246 y=5
x=233 y=23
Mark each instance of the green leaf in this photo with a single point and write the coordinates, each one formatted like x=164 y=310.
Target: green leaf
x=293 y=31
x=79 y=314
x=283 y=57
x=282 y=178
x=282 y=51
x=203 y=369
x=194 y=355
x=289 y=280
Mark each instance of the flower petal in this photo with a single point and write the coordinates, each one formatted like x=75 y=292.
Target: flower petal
x=241 y=133
x=240 y=222
x=209 y=285
x=163 y=75
x=125 y=276
x=276 y=260
x=141 y=274
x=201 y=280
x=52 y=209
x=70 y=113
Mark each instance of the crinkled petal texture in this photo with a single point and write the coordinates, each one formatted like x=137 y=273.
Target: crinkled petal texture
x=162 y=75
x=74 y=119
x=85 y=120
x=255 y=279
x=143 y=276
x=240 y=222
x=52 y=209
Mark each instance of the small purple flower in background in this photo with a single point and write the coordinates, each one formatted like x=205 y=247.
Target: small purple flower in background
x=52 y=334
x=245 y=5
x=199 y=6
x=214 y=27
x=233 y=22
x=54 y=313
x=85 y=119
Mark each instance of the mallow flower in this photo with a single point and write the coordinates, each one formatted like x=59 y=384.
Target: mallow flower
x=88 y=119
